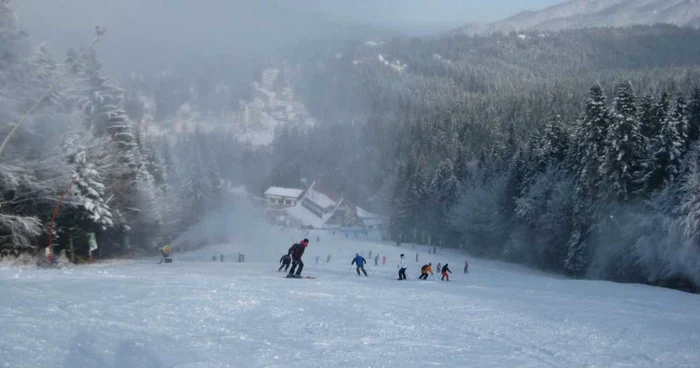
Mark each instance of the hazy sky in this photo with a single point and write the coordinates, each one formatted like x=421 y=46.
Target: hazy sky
x=153 y=33
x=397 y=12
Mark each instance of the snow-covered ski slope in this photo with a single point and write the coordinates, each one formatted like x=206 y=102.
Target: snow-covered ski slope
x=197 y=313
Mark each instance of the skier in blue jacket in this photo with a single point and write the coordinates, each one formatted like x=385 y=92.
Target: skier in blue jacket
x=360 y=262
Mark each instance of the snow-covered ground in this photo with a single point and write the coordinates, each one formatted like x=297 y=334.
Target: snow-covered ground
x=196 y=313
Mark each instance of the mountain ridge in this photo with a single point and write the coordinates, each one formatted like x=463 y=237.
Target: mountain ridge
x=596 y=13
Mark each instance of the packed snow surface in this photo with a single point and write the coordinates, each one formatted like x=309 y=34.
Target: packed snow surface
x=197 y=313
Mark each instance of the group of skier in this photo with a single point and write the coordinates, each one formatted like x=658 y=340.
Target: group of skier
x=294 y=254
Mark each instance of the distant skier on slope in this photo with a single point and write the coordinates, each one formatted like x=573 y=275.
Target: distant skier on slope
x=425 y=270
x=466 y=267
x=439 y=268
x=402 y=268
x=445 y=271
x=376 y=260
x=360 y=262
x=296 y=251
x=286 y=260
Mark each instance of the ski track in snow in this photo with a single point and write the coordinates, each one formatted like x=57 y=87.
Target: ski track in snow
x=196 y=313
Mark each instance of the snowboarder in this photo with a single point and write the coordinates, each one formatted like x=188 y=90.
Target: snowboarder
x=376 y=260
x=445 y=271
x=221 y=257
x=439 y=268
x=402 y=268
x=317 y=258
x=296 y=251
x=360 y=262
x=286 y=260
x=466 y=267
x=425 y=270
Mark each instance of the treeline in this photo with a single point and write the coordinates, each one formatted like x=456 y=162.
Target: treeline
x=412 y=133
x=612 y=195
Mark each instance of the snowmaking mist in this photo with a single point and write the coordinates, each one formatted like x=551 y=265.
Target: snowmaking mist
x=240 y=228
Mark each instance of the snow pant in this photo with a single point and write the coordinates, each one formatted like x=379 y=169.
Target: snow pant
x=294 y=267
x=363 y=270
x=423 y=276
x=285 y=266
x=402 y=274
x=445 y=276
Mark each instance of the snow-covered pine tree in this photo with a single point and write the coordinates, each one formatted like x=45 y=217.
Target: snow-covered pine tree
x=693 y=114
x=90 y=189
x=555 y=142
x=648 y=124
x=623 y=147
x=662 y=166
x=590 y=141
x=689 y=193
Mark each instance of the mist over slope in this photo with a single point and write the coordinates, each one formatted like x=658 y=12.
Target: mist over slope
x=597 y=13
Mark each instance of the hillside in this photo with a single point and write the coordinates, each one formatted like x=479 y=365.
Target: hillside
x=597 y=13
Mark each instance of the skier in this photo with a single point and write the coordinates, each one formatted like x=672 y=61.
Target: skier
x=370 y=254
x=221 y=257
x=376 y=260
x=425 y=270
x=213 y=258
x=439 y=268
x=416 y=257
x=360 y=262
x=328 y=259
x=402 y=268
x=445 y=271
x=317 y=258
x=466 y=267
x=383 y=260
x=296 y=251
x=285 y=261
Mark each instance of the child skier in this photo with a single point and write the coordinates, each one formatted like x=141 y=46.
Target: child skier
x=360 y=262
x=286 y=260
x=402 y=268
x=445 y=271
x=425 y=270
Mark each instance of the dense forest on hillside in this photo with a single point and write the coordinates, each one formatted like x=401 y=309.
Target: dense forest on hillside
x=133 y=191
x=483 y=142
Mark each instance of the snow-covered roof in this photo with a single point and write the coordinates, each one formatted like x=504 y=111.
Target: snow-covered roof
x=283 y=192
x=361 y=213
x=319 y=198
x=306 y=217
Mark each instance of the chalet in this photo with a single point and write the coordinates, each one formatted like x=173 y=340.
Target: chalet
x=320 y=208
x=276 y=197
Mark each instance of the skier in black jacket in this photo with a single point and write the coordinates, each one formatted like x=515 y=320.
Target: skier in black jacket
x=286 y=260
x=296 y=251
